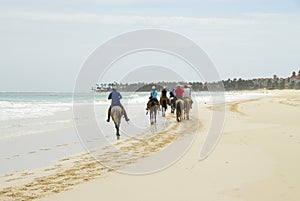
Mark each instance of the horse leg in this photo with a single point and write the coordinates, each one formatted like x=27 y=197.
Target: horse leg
x=177 y=115
x=151 y=121
x=117 y=131
x=164 y=106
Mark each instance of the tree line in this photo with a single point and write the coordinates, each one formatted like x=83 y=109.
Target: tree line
x=292 y=82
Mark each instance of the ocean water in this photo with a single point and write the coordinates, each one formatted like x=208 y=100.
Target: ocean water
x=37 y=128
x=25 y=113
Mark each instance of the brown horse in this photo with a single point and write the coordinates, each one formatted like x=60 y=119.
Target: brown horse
x=152 y=106
x=172 y=104
x=179 y=104
x=164 y=102
x=116 y=114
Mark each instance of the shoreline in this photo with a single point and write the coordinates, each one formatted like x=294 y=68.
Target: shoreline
x=247 y=132
x=40 y=140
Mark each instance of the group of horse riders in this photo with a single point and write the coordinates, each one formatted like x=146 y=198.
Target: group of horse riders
x=178 y=93
x=174 y=95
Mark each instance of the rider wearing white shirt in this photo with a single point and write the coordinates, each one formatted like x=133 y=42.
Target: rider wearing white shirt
x=186 y=92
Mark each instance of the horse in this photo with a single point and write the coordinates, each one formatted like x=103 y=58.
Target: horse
x=152 y=106
x=187 y=107
x=116 y=114
x=172 y=104
x=179 y=109
x=164 y=102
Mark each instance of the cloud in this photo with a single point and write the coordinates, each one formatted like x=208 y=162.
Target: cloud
x=129 y=19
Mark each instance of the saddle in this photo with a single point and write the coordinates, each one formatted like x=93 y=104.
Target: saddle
x=164 y=99
x=187 y=99
x=152 y=103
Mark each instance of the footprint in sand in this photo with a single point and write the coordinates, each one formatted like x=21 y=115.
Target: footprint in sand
x=62 y=145
x=64 y=159
x=14 y=179
x=45 y=149
x=26 y=174
x=50 y=169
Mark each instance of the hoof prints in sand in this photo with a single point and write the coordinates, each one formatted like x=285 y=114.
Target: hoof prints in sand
x=83 y=168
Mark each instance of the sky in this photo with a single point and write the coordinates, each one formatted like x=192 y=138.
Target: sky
x=45 y=43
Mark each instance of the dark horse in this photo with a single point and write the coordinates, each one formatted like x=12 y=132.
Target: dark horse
x=172 y=104
x=116 y=114
x=164 y=102
x=152 y=106
x=179 y=104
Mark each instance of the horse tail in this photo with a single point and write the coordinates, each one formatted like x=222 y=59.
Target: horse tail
x=116 y=114
x=179 y=107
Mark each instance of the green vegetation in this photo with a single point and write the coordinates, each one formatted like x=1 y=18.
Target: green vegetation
x=275 y=82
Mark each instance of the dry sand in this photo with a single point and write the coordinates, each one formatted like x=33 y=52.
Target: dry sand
x=256 y=159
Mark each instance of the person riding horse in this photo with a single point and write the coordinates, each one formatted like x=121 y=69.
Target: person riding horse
x=172 y=100
x=152 y=98
x=178 y=92
x=187 y=93
x=163 y=96
x=115 y=97
x=171 y=93
x=179 y=102
x=164 y=101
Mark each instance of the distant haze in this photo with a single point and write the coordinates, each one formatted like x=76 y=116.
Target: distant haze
x=150 y=74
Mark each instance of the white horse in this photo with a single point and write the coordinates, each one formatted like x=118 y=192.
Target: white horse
x=187 y=107
x=116 y=115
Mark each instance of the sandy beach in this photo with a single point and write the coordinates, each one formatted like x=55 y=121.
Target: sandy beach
x=256 y=159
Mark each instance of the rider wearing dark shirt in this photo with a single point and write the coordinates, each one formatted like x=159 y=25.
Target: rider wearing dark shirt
x=171 y=93
x=164 y=92
x=115 y=97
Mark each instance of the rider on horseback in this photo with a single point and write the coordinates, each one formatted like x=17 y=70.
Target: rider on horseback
x=187 y=93
x=164 y=92
x=153 y=98
x=171 y=93
x=178 y=92
x=172 y=100
x=178 y=102
x=164 y=100
x=115 y=97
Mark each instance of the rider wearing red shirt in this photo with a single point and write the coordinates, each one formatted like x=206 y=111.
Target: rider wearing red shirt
x=178 y=91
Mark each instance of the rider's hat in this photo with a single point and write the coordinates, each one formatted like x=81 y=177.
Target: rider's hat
x=153 y=87
x=114 y=87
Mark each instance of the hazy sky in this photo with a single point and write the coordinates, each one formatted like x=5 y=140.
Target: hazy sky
x=45 y=42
